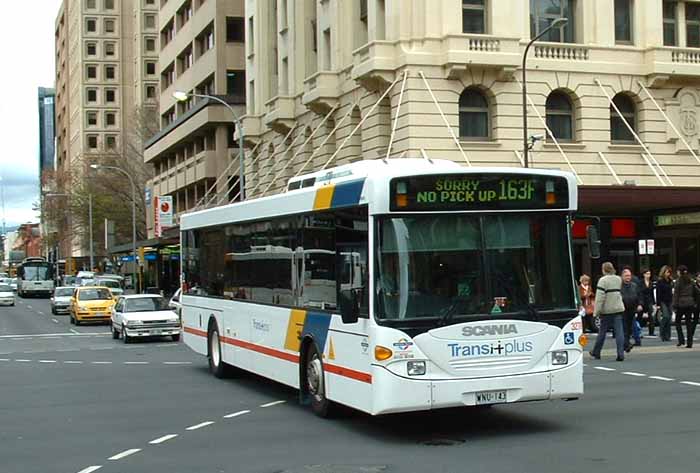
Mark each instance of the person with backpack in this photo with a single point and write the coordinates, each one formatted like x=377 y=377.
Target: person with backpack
x=683 y=302
x=610 y=308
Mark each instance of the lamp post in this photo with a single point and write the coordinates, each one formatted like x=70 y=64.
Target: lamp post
x=558 y=23
x=183 y=96
x=133 y=208
x=92 y=252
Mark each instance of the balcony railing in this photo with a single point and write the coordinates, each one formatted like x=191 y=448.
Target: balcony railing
x=685 y=56
x=321 y=91
x=564 y=52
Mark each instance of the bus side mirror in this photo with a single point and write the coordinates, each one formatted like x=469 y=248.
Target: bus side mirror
x=593 y=241
x=350 y=306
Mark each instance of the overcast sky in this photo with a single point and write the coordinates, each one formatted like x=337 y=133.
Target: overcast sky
x=27 y=36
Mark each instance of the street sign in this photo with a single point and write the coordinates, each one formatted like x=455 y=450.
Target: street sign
x=650 y=247
x=163 y=213
x=642 y=247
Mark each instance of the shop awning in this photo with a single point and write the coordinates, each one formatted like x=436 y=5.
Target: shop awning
x=636 y=200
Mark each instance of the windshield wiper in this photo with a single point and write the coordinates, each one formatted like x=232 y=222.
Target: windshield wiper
x=447 y=317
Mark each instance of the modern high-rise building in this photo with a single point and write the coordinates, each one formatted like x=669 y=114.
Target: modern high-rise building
x=202 y=54
x=106 y=71
x=613 y=96
x=47 y=129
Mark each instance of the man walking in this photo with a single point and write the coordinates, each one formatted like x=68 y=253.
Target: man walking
x=631 y=298
x=610 y=308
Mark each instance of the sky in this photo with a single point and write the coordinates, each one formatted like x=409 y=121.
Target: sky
x=27 y=36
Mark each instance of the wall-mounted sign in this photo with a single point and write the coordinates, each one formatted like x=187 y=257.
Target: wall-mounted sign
x=163 y=213
x=650 y=247
x=677 y=219
x=642 y=247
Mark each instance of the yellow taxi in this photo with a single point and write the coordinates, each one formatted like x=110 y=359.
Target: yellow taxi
x=91 y=304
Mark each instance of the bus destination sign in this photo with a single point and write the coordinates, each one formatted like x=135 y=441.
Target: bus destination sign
x=479 y=192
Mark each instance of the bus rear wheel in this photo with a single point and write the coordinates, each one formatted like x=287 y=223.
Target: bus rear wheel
x=315 y=379
x=217 y=366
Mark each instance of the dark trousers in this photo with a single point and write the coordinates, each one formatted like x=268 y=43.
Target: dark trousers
x=665 y=322
x=690 y=324
x=648 y=309
x=606 y=321
x=683 y=313
x=629 y=324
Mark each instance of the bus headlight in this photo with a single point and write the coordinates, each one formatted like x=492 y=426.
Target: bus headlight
x=560 y=357
x=415 y=368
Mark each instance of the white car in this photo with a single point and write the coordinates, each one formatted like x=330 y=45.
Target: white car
x=7 y=297
x=60 y=301
x=175 y=303
x=144 y=315
x=113 y=285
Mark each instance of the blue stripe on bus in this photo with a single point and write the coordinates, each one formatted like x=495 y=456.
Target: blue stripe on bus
x=316 y=324
x=347 y=193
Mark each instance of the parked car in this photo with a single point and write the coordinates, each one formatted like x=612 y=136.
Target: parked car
x=91 y=304
x=112 y=284
x=7 y=297
x=143 y=315
x=60 y=301
x=13 y=284
x=175 y=304
x=69 y=281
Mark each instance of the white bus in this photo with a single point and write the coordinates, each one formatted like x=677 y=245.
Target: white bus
x=460 y=292
x=35 y=277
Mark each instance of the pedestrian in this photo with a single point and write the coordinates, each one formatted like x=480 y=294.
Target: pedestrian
x=664 y=298
x=610 y=308
x=696 y=313
x=587 y=302
x=683 y=302
x=648 y=300
x=632 y=299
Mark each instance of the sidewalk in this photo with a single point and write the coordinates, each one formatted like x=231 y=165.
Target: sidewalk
x=650 y=345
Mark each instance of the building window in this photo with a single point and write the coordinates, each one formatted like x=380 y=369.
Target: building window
x=110 y=96
x=474 y=16
x=670 y=23
x=110 y=119
x=205 y=41
x=92 y=72
x=91 y=49
x=251 y=34
x=235 y=29
x=91 y=4
x=91 y=25
x=619 y=133
x=168 y=76
x=110 y=72
x=544 y=12
x=109 y=26
x=473 y=114
x=150 y=45
x=150 y=68
x=185 y=60
x=151 y=2
x=111 y=142
x=623 y=21
x=184 y=14
x=92 y=141
x=92 y=118
x=692 y=24
x=560 y=116
x=151 y=92
x=235 y=83
x=110 y=49
x=92 y=95
x=150 y=21
x=109 y=4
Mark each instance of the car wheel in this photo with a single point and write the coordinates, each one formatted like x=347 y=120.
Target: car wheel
x=115 y=334
x=125 y=337
x=176 y=338
x=316 y=383
x=72 y=320
x=216 y=363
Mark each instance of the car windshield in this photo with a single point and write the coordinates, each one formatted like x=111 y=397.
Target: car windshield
x=95 y=294
x=472 y=266
x=63 y=292
x=36 y=273
x=5 y=288
x=109 y=283
x=145 y=304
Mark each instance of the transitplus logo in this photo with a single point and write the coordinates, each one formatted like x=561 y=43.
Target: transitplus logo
x=490 y=349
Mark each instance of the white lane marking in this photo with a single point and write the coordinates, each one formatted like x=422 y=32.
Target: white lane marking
x=90 y=469
x=199 y=426
x=19 y=339
x=63 y=350
x=124 y=454
x=632 y=373
x=604 y=368
x=236 y=414
x=273 y=403
x=4 y=359
x=47 y=361
x=162 y=439
x=74 y=330
x=661 y=378
x=61 y=334
x=136 y=362
x=690 y=383
x=54 y=321
x=39 y=312
x=101 y=362
x=73 y=362
x=22 y=360
x=29 y=307
x=177 y=362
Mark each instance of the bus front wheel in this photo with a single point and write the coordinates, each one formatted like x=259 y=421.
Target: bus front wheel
x=217 y=366
x=315 y=379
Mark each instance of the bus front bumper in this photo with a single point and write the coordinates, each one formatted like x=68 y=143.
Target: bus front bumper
x=424 y=394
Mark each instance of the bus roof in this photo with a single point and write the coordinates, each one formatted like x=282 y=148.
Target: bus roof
x=359 y=183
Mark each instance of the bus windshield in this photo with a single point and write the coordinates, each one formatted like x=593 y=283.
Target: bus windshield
x=36 y=273
x=473 y=267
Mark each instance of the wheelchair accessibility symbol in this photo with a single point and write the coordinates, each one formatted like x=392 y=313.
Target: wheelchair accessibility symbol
x=568 y=338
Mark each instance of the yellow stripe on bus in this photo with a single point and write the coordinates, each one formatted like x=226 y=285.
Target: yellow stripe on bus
x=324 y=197
x=294 y=328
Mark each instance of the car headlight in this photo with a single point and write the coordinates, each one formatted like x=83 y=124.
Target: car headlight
x=415 y=368
x=560 y=357
x=83 y=308
x=133 y=323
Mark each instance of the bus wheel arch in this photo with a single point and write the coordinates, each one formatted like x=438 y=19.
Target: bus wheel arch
x=214 y=355
x=312 y=378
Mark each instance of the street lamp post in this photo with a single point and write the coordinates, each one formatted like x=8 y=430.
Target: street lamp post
x=183 y=96
x=92 y=252
x=133 y=207
x=558 y=23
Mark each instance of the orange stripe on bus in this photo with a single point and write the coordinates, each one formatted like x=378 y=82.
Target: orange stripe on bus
x=348 y=373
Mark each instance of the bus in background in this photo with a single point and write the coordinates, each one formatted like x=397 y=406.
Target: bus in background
x=436 y=286
x=35 y=277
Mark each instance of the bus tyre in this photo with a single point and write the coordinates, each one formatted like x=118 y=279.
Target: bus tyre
x=216 y=363
x=316 y=383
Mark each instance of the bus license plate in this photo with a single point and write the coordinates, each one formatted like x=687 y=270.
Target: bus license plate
x=491 y=397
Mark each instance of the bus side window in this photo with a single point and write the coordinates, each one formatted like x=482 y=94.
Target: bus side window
x=352 y=242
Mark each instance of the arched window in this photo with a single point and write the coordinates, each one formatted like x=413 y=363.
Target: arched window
x=473 y=115
x=618 y=130
x=560 y=116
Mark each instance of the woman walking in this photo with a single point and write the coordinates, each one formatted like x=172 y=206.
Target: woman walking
x=648 y=300
x=609 y=307
x=664 y=297
x=692 y=324
x=683 y=302
x=587 y=297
